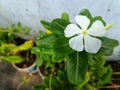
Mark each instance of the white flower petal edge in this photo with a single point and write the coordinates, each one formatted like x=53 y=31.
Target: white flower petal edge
x=71 y=30
x=92 y=45
x=83 y=21
x=97 y=29
x=76 y=43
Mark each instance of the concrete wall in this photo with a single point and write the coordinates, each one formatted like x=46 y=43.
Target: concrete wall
x=30 y=12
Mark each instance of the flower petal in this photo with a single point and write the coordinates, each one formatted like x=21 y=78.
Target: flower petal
x=76 y=43
x=97 y=29
x=83 y=21
x=71 y=30
x=92 y=45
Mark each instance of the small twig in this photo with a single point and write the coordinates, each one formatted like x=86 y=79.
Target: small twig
x=112 y=87
x=116 y=73
x=18 y=87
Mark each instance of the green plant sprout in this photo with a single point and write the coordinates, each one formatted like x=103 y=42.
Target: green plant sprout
x=23 y=82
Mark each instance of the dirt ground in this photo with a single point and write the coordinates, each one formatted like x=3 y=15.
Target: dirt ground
x=11 y=79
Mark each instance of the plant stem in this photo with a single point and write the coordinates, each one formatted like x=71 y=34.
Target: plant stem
x=112 y=87
x=19 y=86
x=50 y=81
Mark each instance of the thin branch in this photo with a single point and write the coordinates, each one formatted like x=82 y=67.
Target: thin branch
x=112 y=87
x=116 y=73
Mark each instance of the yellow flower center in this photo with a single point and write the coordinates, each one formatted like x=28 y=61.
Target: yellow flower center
x=84 y=32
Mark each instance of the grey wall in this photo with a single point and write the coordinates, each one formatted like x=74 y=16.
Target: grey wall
x=30 y=12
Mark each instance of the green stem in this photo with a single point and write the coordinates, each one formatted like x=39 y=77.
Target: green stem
x=50 y=81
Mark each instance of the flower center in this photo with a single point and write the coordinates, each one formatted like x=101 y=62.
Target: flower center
x=84 y=32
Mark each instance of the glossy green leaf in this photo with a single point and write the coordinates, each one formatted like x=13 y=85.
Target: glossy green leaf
x=65 y=16
x=46 y=41
x=13 y=59
x=108 y=46
x=97 y=18
x=42 y=33
x=47 y=51
x=45 y=24
x=58 y=26
x=85 y=12
x=77 y=66
x=61 y=49
x=58 y=57
x=61 y=45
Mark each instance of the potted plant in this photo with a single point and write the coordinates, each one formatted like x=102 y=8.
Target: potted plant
x=83 y=47
x=15 y=48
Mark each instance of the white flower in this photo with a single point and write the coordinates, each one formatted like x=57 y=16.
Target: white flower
x=84 y=37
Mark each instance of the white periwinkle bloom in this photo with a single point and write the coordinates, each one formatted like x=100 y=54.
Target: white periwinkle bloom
x=84 y=37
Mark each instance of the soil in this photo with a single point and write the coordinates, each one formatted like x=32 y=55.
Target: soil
x=18 y=41
x=29 y=59
x=10 y=78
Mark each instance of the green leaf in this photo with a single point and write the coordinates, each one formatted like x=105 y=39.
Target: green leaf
x=23 y=47
x=61 y=48
x=107 y=46
x=47 y=51
x=65 y=16
x=45 y=24
x=58 y=26
x=77 y=66
x=62 y=75
x=19 y=25
x=39 y=61
x=58 y=57
x=46 y=41
x=42 y=33
x=97 y=18
x=85 y=12
x=12 y=28
x=39 y=87
x=54 y=81
x=61 y=45
x=35 y=50
x=13 y=59
x=25 y=30
x=108 y=74
x=100 y=73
